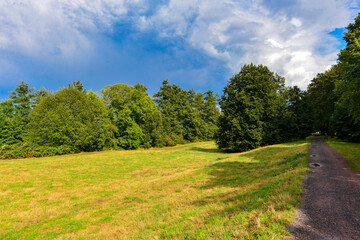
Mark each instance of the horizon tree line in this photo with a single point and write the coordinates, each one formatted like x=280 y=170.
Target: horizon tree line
x=257 y=109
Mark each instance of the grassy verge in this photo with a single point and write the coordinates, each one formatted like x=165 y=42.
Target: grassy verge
x=350 y=151
x=191 y=191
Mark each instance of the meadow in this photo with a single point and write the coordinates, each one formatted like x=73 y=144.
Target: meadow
x=191 y=191
x=350 y=151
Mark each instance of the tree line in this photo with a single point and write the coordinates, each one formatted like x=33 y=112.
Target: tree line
x=73 y=119
x=257 y=109
x=335 y=94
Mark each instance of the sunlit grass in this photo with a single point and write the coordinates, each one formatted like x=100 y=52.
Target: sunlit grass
x=350 y=151
x=192 y=191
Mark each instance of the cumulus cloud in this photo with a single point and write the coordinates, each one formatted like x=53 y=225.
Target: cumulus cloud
x=291 y=37
x=286 y=36
x=43 y=27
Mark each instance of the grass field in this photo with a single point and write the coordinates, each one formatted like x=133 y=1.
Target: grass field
x=350 y=151
x=190 y=191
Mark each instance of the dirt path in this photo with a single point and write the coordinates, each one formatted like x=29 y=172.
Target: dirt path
x=330 y=207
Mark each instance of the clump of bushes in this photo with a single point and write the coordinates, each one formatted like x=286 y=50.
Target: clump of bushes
x=25 y=150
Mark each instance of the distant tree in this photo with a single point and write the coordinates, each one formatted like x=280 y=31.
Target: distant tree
x=322 y=99
x=135 y=115
x=211 y=113
x=249 y=109
x=300 y=123
x=9 y=128
x=14 y=114
x=72 y=117
x=276 y=116
x=172 y=102
x=22 y=99
x=345 y=125
x=187 y=115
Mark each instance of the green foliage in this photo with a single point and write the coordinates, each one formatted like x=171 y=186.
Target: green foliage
x=346 y=115
x=322 y=98
x=129 y=134
x=253 y=109
x=39 y=94
x=22 y=99
x=71 y=117
x=300 y=121
x=348 y=86
x=135 y=115
x=344 y=125
x=334 y=95
x=8 y=134
x=187 y=116
x=14 y=114
x=24 y=150
x=209 y=113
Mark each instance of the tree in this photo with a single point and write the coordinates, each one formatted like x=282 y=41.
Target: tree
x=300 y=122
x=249 y=105
x=333 y=95
x=210 y=114
x=9 y=129
x=344 y=125
x=14 y=114
x=187 y=115
x=322 y=99
x=22 y=99
x=72 y=117
x=172 y=101
x=135 y=115
x=348 y=85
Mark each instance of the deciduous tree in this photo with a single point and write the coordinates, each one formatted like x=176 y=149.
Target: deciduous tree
x=71 y=117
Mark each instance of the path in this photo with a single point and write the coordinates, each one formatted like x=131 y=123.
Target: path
x=330 y=207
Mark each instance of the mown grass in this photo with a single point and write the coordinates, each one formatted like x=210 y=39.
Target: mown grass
x=192 y=191
x=350 y=151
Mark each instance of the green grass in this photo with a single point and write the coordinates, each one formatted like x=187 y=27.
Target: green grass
x=350 y=151
x=191 y=191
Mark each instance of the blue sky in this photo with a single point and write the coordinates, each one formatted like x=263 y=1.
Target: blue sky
x=195 y=44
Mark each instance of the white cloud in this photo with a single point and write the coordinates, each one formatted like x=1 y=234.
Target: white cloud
x=284 y=35
x=296 y=22
x=43 y=27
x=287 y=38
x=273 y=43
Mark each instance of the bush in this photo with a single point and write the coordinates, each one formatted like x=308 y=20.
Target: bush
x=25 y=151
x=70 y=117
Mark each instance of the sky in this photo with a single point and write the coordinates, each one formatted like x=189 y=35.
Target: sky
x=196 y=44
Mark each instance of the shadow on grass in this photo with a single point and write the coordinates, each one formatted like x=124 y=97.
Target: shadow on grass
x=207 y=150
x=252 y=184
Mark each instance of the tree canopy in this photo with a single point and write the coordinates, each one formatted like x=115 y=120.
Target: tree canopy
x=14 y=114
x=71 y=117
x=187 y=115
x=133 y=112
x=334 y=95
x=257 y=109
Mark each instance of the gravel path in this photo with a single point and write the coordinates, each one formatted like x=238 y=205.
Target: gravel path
x=330 y=207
